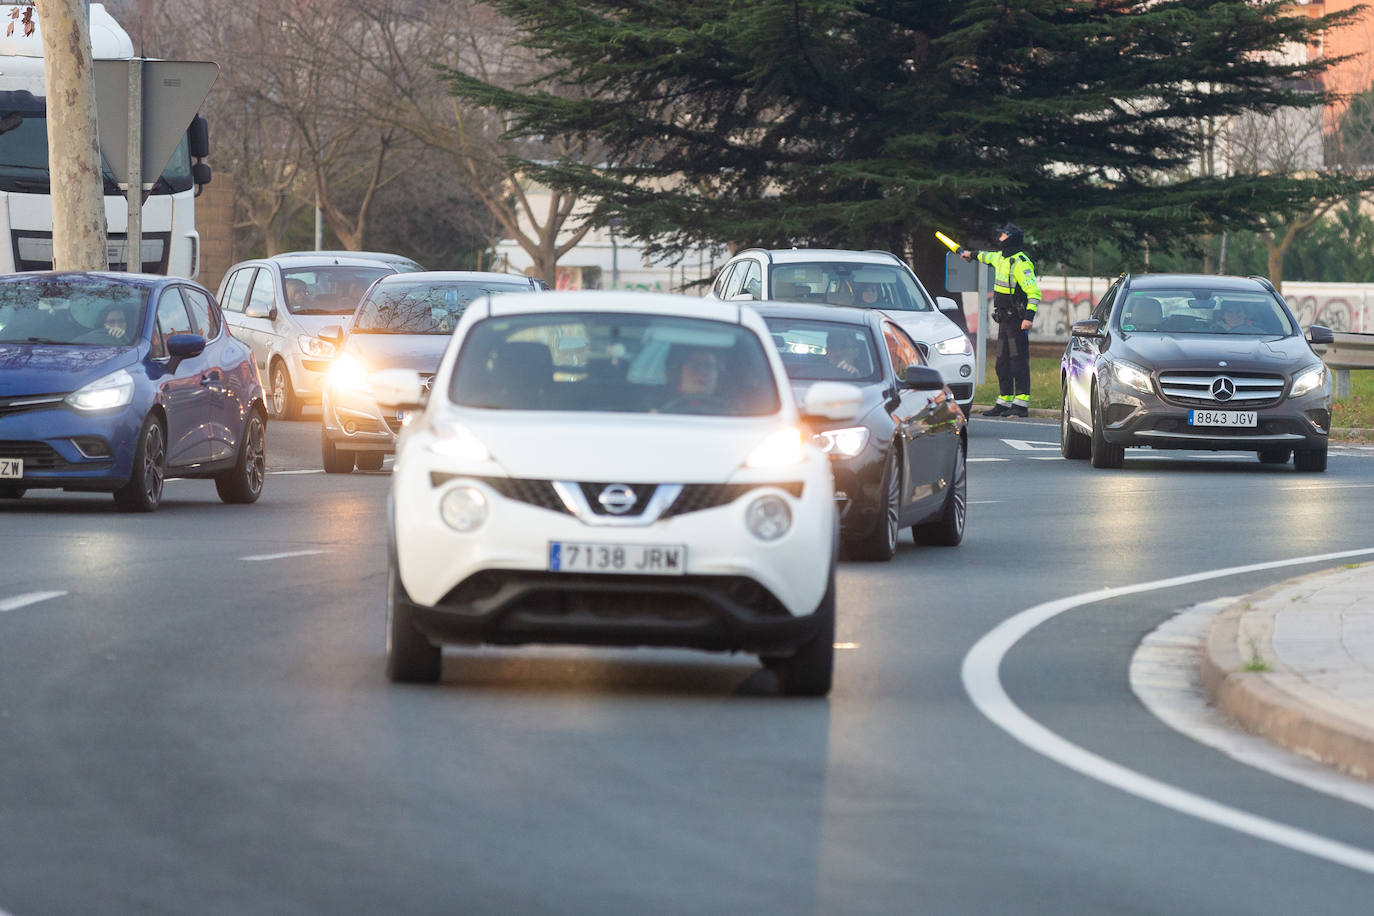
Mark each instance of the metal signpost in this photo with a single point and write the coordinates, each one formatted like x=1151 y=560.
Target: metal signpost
x=143 y=108
x=966 y=276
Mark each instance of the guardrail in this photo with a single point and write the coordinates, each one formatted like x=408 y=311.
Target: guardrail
x=1349 y=351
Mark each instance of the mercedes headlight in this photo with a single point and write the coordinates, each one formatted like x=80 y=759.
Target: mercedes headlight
x=845 y=443
x=1132 y=377
x=313 y=346
x=348 y=373
x=106 y=393
x=958 y=345
x=1309 y=380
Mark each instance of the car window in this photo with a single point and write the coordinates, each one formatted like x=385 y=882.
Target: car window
x=1104 y=305
x=427 y=307
x=886 y=286
x=723 y=279
x=825 y=350
x=202 y=313
x=1205 y=309
x=236 y=290
x=900 y=350
x=172 y=318
x=622 y=363
x=262 y=293
x=746 y=280
x=334 y=289
x=94 y=311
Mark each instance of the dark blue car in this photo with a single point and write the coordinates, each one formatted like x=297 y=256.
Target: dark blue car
x=116 y=382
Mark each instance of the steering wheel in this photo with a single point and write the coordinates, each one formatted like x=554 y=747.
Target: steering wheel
x=695 y=403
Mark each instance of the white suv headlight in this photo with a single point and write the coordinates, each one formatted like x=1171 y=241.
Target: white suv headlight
x=781 y=449
x=106 y=393
x=1309 y=380
x=463 y=509
x=454 y=440
x=957 y=345
x=1132 y=376
x=768 y=518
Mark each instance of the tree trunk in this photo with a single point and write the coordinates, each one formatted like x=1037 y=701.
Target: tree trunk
x=78 y=190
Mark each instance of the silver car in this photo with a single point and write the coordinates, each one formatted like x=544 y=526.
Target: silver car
x=278 y=305
x=404 y=322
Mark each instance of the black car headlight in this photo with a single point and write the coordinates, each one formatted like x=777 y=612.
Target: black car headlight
x=1132 y=376
x=1309 y=380
x=843 y=443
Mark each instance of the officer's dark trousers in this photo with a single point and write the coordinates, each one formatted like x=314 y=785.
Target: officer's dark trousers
x=1013 y=360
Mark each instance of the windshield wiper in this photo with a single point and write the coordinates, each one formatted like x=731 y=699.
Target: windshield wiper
x=319 y=312
x=40 y=340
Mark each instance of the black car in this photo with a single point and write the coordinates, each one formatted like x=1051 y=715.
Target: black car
x=115 y=382
x=902 y=462
x=1185 y=361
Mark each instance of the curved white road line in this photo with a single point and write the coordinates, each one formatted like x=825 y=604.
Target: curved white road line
x=983 y=683
x=15 y=603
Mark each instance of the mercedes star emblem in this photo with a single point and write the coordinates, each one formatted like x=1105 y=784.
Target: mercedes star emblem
x=617 y=499
x=1223 y=389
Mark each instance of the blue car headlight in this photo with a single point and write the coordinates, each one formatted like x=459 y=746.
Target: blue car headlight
x=105 y=393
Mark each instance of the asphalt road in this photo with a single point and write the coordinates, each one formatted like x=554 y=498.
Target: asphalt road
x=193 y=718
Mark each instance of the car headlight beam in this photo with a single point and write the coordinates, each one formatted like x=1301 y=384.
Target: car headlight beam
x=348 y=373
x=843 y=443
x=105 y=393
x=1308 y=381
x=958 y=345
x=782 y=448
x=1132 y=376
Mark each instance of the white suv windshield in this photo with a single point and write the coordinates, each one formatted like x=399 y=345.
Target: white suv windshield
x=844 y=283
x=615 y=362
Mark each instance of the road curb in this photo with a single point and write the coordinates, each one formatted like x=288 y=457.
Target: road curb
x=1277 y=703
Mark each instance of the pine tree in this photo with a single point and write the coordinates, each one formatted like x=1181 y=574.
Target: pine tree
x=871 y=124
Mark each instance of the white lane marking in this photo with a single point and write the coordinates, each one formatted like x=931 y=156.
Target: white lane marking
x=15 y=603
x=983 y=502
x=1031 y=445
x=1046 y=458
x=281 y=556
x=971 y=460
x=303 y=471
x=1165 y=676
x=846 y=645
x=1329 y=486
x=980 y=676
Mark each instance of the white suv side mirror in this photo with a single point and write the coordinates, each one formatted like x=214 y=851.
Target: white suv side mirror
x=833 y=401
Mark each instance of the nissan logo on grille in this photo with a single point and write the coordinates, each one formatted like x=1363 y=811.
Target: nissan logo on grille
x=1223 y=389
x=617 y=499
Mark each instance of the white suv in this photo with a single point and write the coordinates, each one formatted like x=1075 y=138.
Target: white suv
x=872 y=279
x=614 y=469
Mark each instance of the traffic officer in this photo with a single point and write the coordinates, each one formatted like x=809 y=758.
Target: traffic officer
x=1015 y=301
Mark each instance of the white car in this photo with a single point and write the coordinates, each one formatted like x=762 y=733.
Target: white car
x=866 y=279
x=612 y=469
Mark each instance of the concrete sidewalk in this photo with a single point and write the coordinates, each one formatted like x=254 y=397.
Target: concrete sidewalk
x=1295 y=663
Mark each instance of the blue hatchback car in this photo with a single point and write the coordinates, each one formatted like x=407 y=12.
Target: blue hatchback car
x=116 y=382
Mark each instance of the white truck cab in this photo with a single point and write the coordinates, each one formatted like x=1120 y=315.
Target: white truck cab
x=170 y=243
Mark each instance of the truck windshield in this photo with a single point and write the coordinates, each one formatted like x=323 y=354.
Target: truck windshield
x=24 y=159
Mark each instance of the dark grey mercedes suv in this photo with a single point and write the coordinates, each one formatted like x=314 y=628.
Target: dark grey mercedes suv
x=1190 y=361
